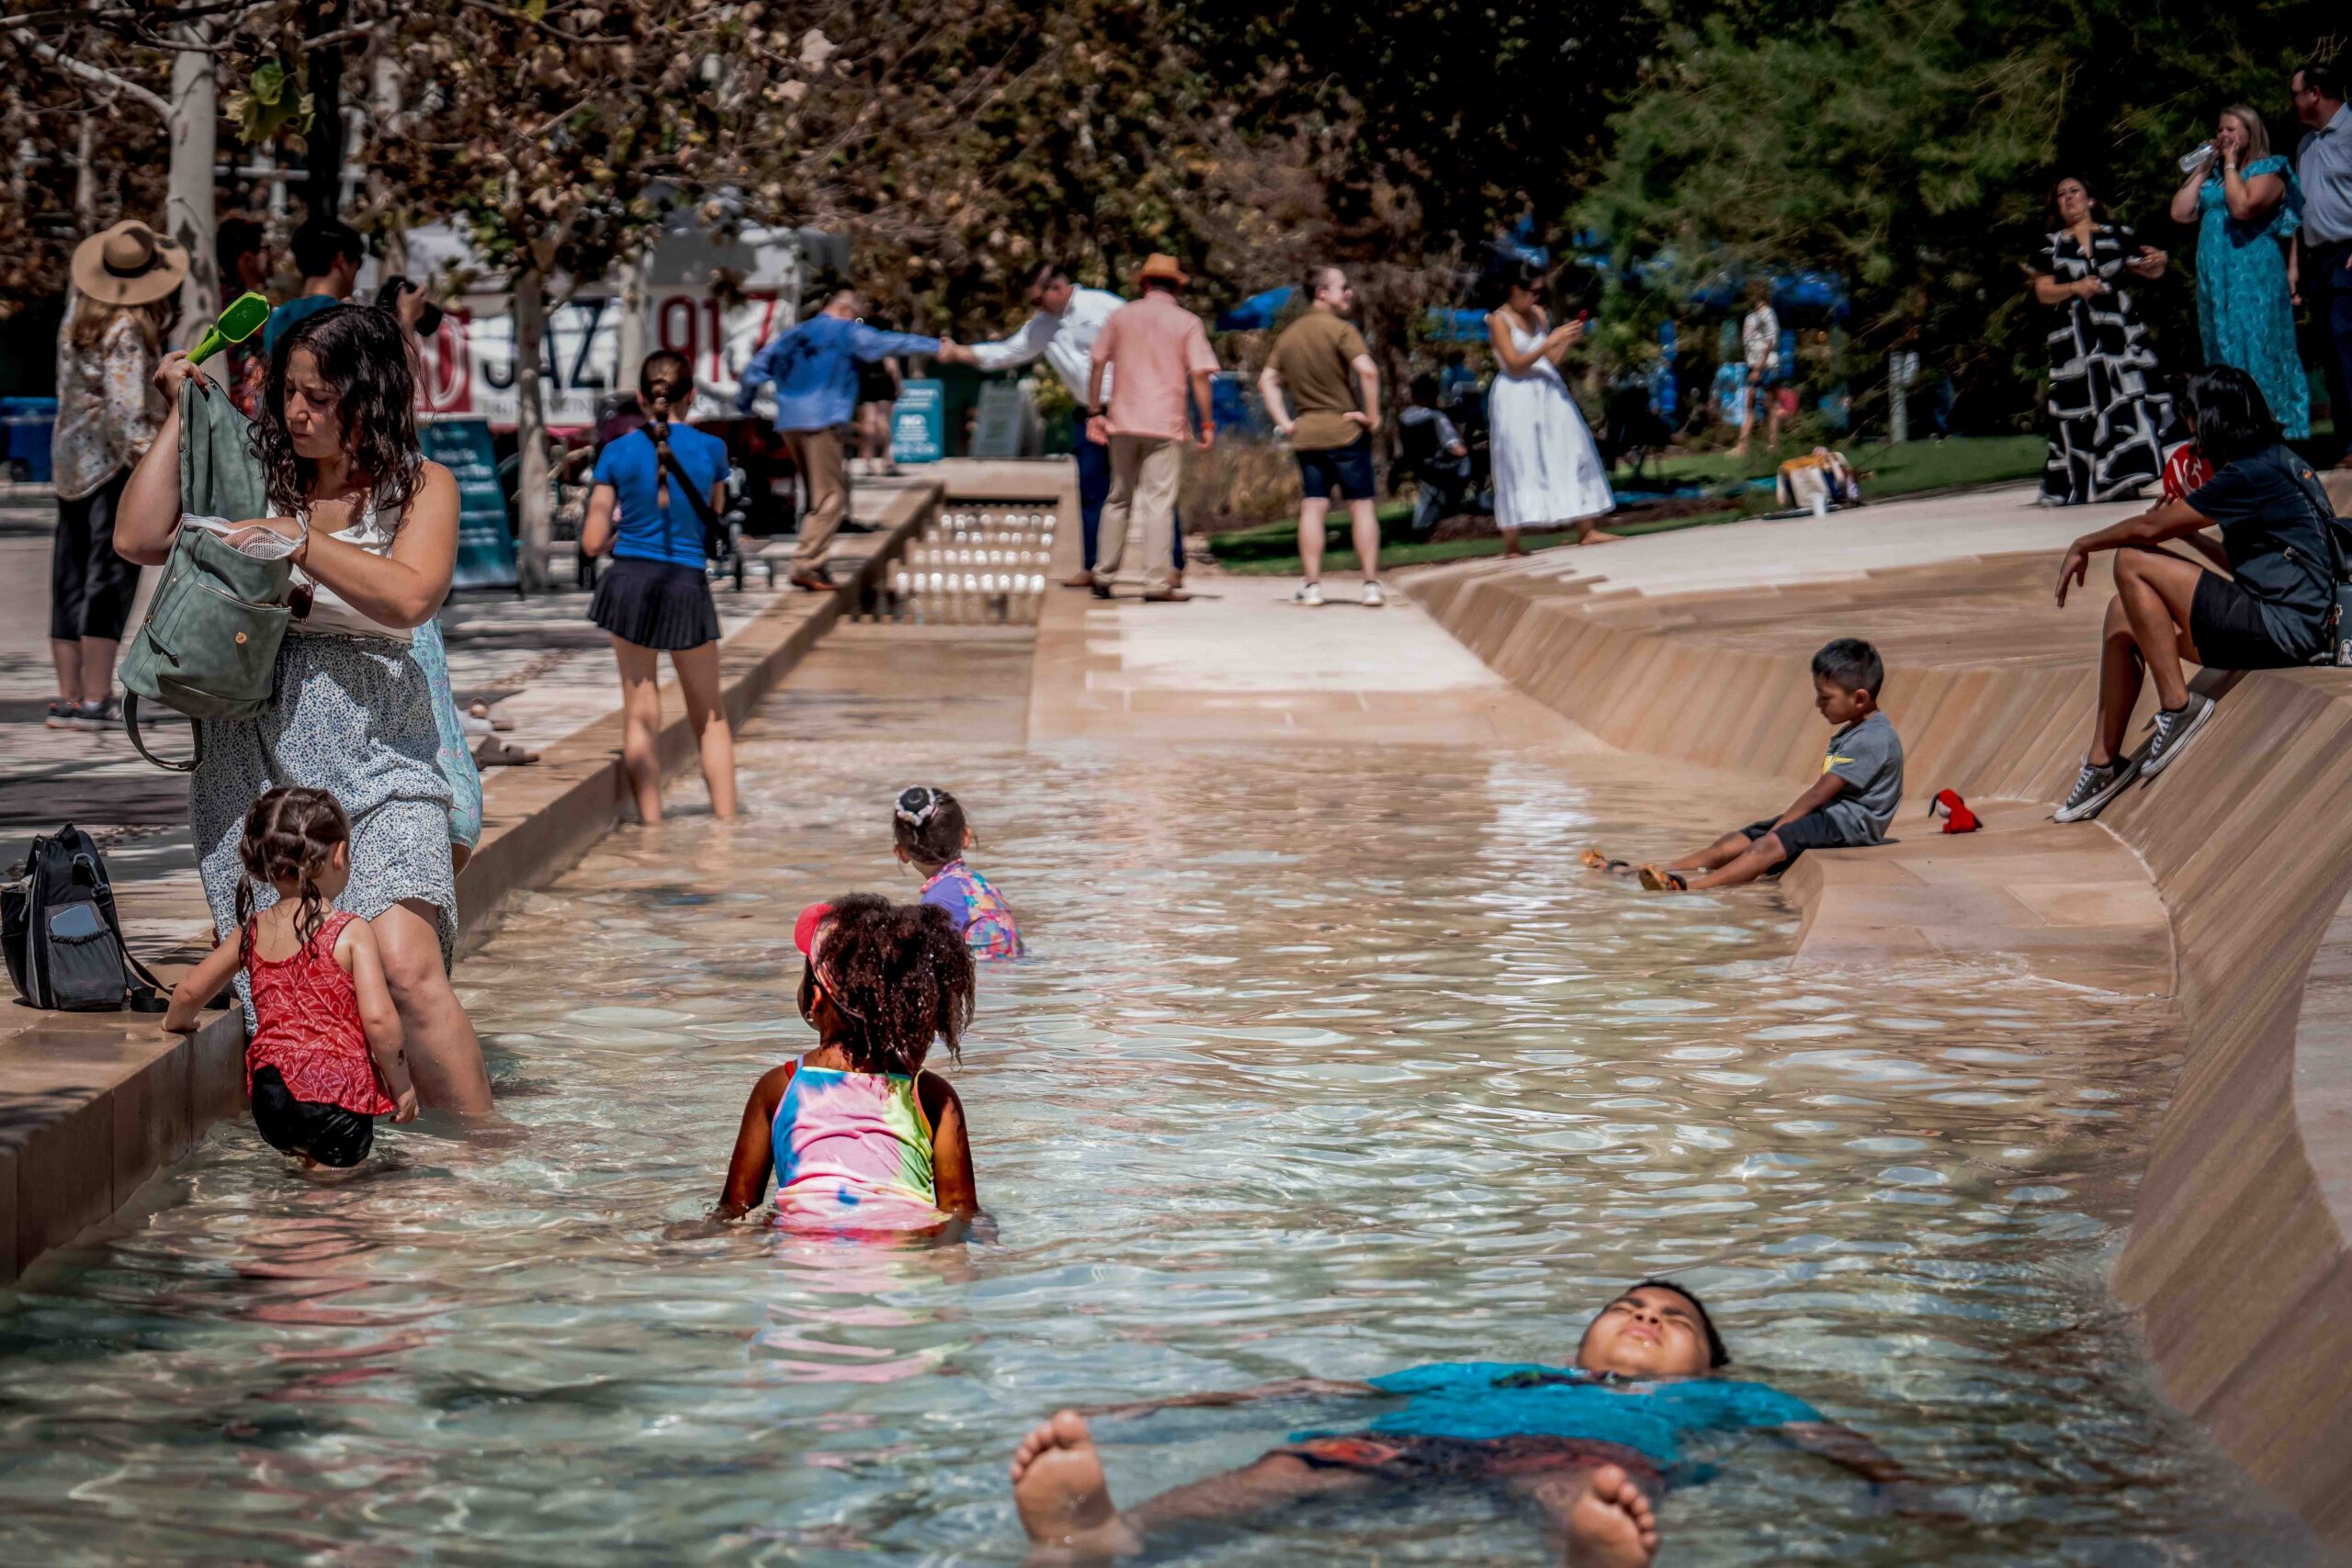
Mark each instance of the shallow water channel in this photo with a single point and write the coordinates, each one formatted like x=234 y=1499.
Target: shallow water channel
x=1330 y=1062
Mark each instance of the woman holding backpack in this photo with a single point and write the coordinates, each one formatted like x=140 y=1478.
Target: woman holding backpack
x=376 y=531
x=664 y=479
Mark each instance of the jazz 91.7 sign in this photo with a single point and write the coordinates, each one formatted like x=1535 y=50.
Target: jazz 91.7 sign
x=468 y=368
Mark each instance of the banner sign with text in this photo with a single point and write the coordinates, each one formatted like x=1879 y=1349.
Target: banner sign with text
x=485 y=541
x=468 y=365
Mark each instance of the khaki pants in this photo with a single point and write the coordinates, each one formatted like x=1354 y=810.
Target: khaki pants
x=818 y=455
x=1144 y=471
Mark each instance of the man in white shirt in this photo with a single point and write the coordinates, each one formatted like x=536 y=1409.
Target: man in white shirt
x=1061 y=331
x=2323 y=273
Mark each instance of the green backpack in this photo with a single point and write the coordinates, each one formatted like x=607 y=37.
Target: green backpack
x=209 y=646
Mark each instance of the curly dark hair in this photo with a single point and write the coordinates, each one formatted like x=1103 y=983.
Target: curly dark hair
x=900 y=977
x=929 y=824
x=360 y=354
x=289 y=833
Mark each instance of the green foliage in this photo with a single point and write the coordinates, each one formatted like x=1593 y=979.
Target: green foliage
x=274 y=100
x=1908 y=145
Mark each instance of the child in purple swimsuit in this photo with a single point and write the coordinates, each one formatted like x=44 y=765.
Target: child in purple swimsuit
x=932 y=837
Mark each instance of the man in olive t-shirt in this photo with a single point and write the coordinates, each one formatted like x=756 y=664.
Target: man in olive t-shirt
x=1323 y=391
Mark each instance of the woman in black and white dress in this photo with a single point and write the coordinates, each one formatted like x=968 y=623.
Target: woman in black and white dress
x=2106 y=419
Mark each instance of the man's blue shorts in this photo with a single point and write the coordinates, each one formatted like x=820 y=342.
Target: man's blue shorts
x=1346 y=470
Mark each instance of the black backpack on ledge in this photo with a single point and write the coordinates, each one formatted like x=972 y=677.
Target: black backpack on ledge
x=64 y=945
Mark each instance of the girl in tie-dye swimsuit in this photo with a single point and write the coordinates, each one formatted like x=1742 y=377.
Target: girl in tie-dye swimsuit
x=858 y=1134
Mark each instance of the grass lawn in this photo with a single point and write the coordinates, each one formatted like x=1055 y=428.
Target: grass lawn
x=1888 y=469
x=1271 y=549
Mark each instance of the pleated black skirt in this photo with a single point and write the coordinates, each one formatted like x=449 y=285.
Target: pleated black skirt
x=656 y=604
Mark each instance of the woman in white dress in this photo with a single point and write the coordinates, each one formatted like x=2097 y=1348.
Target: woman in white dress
x=1547 y=469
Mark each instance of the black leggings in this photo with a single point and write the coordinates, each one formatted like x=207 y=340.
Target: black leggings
x=90 y=587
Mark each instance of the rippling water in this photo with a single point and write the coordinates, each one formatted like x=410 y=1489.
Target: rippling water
x=1331 y=1063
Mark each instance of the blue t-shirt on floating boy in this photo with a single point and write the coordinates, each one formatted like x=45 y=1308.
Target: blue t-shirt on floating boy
x=631 y=467
x=1482 y=1400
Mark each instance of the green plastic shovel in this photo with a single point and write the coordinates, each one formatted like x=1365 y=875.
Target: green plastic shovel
x=243 y=318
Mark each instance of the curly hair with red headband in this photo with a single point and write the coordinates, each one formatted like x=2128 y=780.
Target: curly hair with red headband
x=897 y=975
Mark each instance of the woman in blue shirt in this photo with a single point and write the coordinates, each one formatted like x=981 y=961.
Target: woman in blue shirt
x=656 y=599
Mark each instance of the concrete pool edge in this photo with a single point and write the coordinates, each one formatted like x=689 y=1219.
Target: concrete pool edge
x=92 y=1105
x=2236 y=1262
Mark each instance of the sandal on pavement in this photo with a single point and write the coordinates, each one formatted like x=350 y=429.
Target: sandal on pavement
x=496 y=754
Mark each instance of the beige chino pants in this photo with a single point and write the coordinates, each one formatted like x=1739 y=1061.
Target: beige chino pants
x=818 y=455
x=1144 y=471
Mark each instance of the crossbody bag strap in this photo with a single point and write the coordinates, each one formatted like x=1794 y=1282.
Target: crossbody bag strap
x=694 y=498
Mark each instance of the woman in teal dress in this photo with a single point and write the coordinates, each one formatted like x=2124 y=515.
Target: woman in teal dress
x=2246 y=205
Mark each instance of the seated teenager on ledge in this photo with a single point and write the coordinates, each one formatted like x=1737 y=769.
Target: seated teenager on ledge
x=1851 y=803
x=2269 y=612
x=1591 y=1445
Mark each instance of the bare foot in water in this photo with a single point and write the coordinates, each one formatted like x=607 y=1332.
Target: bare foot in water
x=1612 y=1525
x=1063 y=1502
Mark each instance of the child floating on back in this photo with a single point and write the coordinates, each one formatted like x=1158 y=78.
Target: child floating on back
x=1850 y=803
x=1591 y=1445
x=857 y=1134
x=932 y=837
x=325 y=1059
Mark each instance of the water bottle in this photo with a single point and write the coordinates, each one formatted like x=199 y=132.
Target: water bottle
x=2190 y=163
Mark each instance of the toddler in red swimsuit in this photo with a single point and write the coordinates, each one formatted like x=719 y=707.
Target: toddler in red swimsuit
x=325 y=1058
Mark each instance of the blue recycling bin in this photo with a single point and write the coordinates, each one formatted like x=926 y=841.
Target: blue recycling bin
x=28 y=422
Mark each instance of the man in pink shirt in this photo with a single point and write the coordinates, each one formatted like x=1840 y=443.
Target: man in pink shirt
x=1159 y=352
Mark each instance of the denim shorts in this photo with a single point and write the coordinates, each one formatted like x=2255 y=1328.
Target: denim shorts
x=1344 y=470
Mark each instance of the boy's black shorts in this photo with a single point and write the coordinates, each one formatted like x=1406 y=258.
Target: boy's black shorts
x=1813 y=830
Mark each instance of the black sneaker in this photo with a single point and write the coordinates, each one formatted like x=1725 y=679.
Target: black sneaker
x=2094 y=787
x=60 y=714
x=2174 y=730
x=98 y=716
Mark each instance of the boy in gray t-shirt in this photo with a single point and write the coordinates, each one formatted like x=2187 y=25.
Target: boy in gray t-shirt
x=1851 y=803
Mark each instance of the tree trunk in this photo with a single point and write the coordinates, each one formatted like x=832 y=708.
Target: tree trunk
x=636 y=272
x=535 y=496
x=384 y=94
x=322 y=155
x=85 y=177
x=188 y=211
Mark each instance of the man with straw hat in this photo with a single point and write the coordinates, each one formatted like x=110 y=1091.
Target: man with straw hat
x=1157 y=354
x=107 y=413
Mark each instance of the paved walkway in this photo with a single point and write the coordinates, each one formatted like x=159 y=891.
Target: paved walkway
x=1878 y=537
x=1241 y=662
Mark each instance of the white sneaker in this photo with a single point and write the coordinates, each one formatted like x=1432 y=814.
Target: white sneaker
x=1372 y=597
x=1309 y=594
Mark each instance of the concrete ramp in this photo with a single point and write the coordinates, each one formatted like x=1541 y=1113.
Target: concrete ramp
x=2241 y=854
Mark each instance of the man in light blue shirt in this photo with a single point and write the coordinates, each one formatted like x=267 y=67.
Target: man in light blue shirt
x=813 y=366
x=2324 y=166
